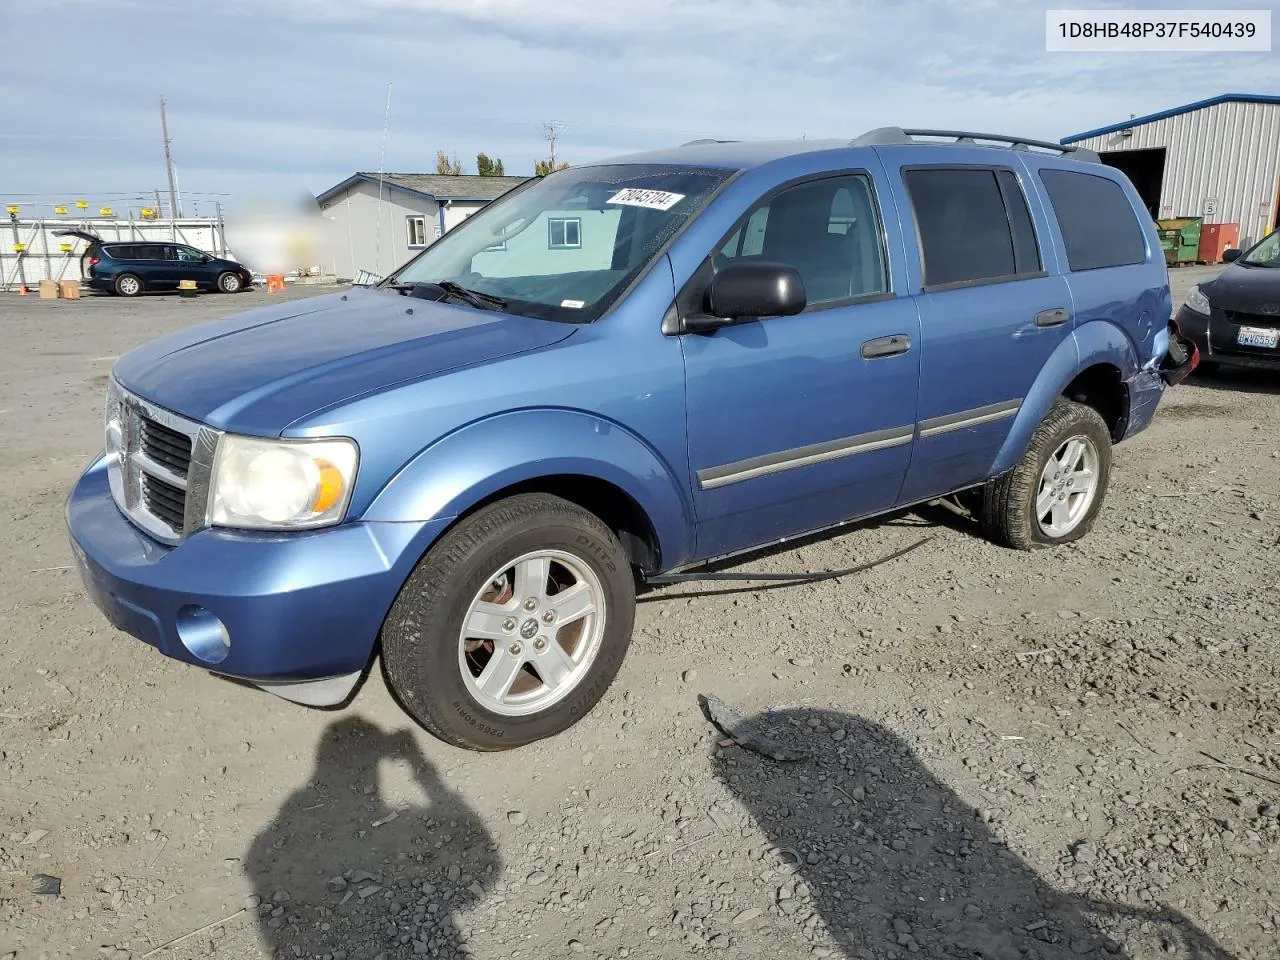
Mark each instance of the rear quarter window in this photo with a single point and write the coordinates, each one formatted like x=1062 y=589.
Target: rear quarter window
x=1097 y=221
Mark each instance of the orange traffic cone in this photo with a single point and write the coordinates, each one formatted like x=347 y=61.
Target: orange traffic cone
x=23 y=291
x=275 y=282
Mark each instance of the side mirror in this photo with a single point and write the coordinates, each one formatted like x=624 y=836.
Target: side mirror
x=749 y=291
x=1230 y=255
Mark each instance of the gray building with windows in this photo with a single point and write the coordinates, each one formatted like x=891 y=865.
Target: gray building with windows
x=376 y=223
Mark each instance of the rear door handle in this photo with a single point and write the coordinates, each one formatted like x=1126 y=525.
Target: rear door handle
x=886 y=346
x=1054 y=317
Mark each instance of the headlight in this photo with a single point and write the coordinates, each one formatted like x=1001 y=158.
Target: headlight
x=1197 y=301
x=281 y=484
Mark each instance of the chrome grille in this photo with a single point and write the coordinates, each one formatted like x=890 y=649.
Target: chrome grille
x=157 y=455
x=164 y=501
x=165 y=445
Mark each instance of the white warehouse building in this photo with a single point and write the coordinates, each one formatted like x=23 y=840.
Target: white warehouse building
x=1218 y=159
x=377 y=222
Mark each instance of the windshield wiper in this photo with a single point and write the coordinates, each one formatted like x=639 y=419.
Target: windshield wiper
x=438 y=290
x=483 y=301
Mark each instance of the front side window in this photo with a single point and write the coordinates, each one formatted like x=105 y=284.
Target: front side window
x=417 y=227
x=973 y=223
x=1266 y=253
x=827 y=229
x=190 y=255
x=564 y=233
x=1098 y=225
x=567 y=246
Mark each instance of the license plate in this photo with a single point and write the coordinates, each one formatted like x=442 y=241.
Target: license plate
x=1258 y=337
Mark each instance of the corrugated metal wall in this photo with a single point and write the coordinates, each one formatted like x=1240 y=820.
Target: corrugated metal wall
x=1226 y=156
x=43 y=256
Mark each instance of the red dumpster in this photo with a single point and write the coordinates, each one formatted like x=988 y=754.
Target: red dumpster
x=1216 y=237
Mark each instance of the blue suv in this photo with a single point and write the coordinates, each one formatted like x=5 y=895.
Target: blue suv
x=619 y=371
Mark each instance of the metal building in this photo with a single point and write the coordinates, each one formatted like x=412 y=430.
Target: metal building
x=1218 y=159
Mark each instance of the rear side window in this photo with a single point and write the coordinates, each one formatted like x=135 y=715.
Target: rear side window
x=1097 y=222
x=974 y=225
x=118 y=252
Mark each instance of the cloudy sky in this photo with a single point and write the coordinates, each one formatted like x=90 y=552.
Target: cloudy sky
x=273 y=97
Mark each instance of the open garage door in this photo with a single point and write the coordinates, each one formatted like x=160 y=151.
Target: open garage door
x=1145 y=169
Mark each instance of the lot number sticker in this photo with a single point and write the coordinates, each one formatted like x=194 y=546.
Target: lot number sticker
x=653 y=199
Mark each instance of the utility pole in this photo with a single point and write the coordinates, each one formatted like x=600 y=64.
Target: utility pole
x=550 y=131
x=159 y=206
x=168 y=163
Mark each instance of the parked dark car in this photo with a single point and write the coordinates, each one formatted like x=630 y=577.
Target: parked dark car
x=131 y=267
x=1235 y=317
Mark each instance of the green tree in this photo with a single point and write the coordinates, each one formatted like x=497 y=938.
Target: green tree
x=449 y=166
x=543 y=167
x=487 y=167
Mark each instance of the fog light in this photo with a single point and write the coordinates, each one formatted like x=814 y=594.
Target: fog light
x=203 y=634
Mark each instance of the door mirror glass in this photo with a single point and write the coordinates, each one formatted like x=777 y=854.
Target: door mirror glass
x=754 y=289
x=1230 y=255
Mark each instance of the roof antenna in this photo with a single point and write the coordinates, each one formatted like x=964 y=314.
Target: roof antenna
x=382 y=159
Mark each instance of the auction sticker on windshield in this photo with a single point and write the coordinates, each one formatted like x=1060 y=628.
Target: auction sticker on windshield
x=653 y=199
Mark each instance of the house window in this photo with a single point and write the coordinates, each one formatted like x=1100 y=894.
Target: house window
x=417 y=231
x=564 y=233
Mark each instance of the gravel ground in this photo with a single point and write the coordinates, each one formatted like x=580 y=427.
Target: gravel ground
x=1069 y=753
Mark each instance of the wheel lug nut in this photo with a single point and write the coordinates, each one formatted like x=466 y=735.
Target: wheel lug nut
x=508 y=624
x=514 y=649
x=540 y=643
x=531 y=604
x=548 y=616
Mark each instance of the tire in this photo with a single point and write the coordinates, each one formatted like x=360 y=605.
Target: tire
x=128 y=285
x=427 y=660
x=229 y=282
x=1009 y=511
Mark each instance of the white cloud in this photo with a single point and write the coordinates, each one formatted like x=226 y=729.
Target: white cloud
x=272 y=94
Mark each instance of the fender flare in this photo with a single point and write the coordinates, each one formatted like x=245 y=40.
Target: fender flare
x=1091 y=343
x=465 y=467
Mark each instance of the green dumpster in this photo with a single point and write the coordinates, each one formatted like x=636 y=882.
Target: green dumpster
x=1180 y=239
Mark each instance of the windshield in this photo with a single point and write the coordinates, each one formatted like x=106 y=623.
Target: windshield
x=1266 y=253
x=566 y=247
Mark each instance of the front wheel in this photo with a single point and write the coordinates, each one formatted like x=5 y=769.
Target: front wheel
x=1055 y=492
x=512 y=626
x=230 y=283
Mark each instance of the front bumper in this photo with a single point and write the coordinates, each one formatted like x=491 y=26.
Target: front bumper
x=295 y=613
x=1216 y=339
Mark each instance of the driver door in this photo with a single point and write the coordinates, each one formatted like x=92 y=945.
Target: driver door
x=796 y=423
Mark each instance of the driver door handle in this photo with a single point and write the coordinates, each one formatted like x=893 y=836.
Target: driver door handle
x=886 y=346
x=1051 y=318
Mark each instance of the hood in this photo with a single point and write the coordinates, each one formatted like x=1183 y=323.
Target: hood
x=260 y=371
x=1246 y=289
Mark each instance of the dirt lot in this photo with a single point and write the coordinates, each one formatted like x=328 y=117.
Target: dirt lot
x=1060 y=754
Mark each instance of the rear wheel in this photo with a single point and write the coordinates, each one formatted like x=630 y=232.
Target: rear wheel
x=512 y=627
x=230 y=282
x=128 y=285
x=1055 y=492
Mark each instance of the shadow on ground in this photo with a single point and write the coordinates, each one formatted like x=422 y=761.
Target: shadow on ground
x=1236 y=379
x=901 y=867
x=374 y=856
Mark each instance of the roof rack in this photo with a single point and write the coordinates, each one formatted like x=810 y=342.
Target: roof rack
x=885 y=136
x=698 y=143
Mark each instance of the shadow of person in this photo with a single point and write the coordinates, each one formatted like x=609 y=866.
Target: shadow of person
x=895 y=865
x=352 y=869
